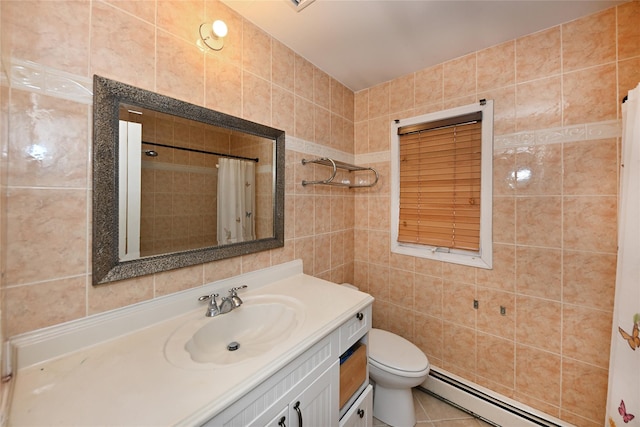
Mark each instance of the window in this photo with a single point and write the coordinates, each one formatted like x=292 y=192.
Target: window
x=441 y=167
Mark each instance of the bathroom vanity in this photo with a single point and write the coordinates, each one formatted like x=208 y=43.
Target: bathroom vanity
x=160 y=363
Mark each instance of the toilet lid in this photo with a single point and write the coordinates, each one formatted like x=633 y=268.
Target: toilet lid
x=395 y=352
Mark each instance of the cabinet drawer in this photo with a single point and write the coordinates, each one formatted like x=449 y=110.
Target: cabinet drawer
x=355 y=328
x=361 y=412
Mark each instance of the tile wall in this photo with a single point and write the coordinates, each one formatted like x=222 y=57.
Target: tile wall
x=149 y=44
x=557 y=100
x=554 y=234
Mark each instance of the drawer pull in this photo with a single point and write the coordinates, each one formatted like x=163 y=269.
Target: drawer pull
x=361 y=413
x=359 y=316
x=282 y=420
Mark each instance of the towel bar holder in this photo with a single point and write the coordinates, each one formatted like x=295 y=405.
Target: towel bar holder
x=335 y=164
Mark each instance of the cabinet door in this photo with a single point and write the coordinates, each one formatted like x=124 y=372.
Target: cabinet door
x=317 y=405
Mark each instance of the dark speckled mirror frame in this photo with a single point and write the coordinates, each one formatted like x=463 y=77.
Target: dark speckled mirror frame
x=107 y=267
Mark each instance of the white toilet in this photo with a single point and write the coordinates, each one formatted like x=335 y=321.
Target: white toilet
x=395 y=366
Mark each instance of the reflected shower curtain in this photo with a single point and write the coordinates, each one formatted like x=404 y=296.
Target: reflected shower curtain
x=236 y=201
x=623 y=400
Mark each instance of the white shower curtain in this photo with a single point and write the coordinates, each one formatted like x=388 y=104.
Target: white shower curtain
x=623 y=401
x=236 y=201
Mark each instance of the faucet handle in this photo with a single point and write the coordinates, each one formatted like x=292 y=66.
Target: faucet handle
x=209 y=297
x=233 y=295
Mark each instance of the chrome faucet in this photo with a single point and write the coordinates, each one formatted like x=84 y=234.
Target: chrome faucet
x=226 y=304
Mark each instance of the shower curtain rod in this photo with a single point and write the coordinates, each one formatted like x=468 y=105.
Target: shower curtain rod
x=253 y=159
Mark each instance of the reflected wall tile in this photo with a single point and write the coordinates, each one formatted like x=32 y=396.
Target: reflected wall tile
x=428 y=85
x=628 y=30
x=584 y=389
x=586 y=334
x=589 y=41
x=122 y=47
x=539 y=272
x=538 y=55
x=539 y=170
x=538 y=323
x=47 y=141
x=119 y=294
x=59 y=42
x=590 y=167
x=496 y=66
x=65 y=301
x=256 y=99
x=538 y=374
x=401 y=92
x=185 y=82
x=428 y=295
x=54 y=240
x=223 y=83
x=256 y=51
x=590 y=223
x=589 y=279
x=283 y=62
x=459 y=76
x=379 y=101
x=590 y=95
x=538 y=104
x=539 y=221
x=496 y=359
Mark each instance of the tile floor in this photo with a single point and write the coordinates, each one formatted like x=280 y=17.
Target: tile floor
x=432 y=412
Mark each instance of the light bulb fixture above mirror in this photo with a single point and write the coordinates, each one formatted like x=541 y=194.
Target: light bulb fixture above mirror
x=212 y=35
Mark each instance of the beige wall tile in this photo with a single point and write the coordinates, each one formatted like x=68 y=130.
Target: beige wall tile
x=582 y=87
x=628 y=76
x=584 y=389
x=304 y=78
x=379 y=100
x=538 y=374
x=459 y=349
x=496 y=66
x=304 y=125
x=504 y=172
x=589 y=41
x=429 y=295
x=538 y=55
x=590 y=223
x=256 y=51
x=589 y=279
x=185 y=82
x=337 y=97
x=119 y=294
x=586 y=334
x=143 y=9
x=283 y=62
x=191 y=13
x=496 y=359
x=401 y=93
x=459 y=77
x=378 y=282
x=428 y=336
x=429 y=85
x=590 y=167
x=400 y=321
x=628 y=30
x=65 y=301
x=538 y=104
x=504 y=225
x=172 y=281
x=538 y=323
x=504 y=109
x=283 y=105
x=361 y=105
x=539 y=272
x=256 y=99
x=539 y=221
x=539 y=170
x=490 y=319
x=457 y=303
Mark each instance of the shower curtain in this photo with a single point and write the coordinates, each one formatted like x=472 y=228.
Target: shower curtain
x=236 y=201
x=623 y=400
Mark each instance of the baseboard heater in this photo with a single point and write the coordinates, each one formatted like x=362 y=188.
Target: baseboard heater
x=484 y=404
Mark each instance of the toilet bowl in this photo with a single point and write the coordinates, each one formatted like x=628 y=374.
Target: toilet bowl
x=395 y=366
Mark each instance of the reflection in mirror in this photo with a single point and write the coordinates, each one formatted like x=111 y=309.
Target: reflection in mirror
x=176 y=184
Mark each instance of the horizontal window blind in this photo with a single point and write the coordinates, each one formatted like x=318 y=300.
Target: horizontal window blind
x=440 y=184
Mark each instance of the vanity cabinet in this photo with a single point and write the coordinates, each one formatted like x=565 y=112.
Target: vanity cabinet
x=308 y=387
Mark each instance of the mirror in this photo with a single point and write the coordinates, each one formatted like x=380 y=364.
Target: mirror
x=175 y=184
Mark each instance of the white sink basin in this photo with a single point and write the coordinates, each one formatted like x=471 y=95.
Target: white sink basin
x=259 y=325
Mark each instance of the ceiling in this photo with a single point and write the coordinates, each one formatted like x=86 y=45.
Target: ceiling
x=362 y=43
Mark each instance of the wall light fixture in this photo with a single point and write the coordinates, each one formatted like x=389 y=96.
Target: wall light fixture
x=212 y=35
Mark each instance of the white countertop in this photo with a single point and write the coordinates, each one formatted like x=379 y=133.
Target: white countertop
x=127 y=380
